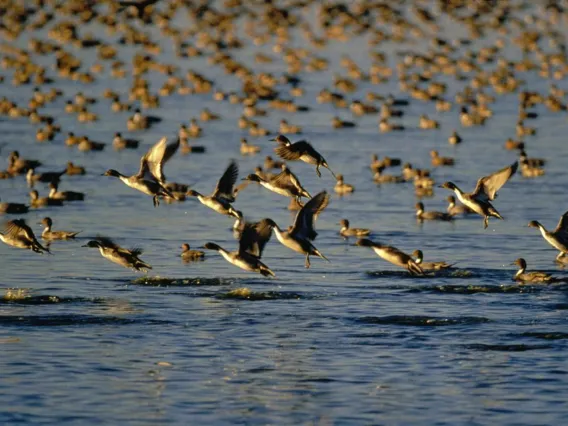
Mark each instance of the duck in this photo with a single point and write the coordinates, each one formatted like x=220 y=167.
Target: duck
x=189 y=255
x=50 y=235
x=18 y=234
x=151 y=164
x=300 y=235
x=430 y=266
x=345 y=231
x=141 y=122
x=422 y=215
x=385 y=126
x=251 y=246
x=393 y=255
x=87 y=145
x=13 y=208
x=301 y=150
x=270 y=163
x=341 y=187
x=438 y=161
x=558 y=238
x=533 y=277
x=376 y=163
x=338 y=123
x=248 y=149
x=37 y=202
x=531 y=162
x=18 y=165
x=47 y=177
x=427 y=123
x=380 y=178
x=223 y=195
x=454 y=138
x=73 y=169
x=285 y=183
x=485 y=190
x=64 y=195
x=286 y=127
x=455 y=210
x=72 y=139
x=511 y=144
x=116 y=254
x=119 y=142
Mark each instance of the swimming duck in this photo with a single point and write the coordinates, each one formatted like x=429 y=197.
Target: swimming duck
x=285 y=183
x=301 y=150
x=87 y=145
x=345 y=231
x=18 y=234
x=341 y=187
x=121 y=256
x=531 y=162
x=50 y=235
x=376 y=163
x=531 y=277
x=429 y=266
x=47 y=177
x=188 y=255
x=223 y=195
x=557 y=238
x=72 y=169
x=300 y=235
x=141 y=122
x=54 y=194
x=13 y=208
x=37 y=202
x=338 y=123
x=151 y=164
x=438 y=161
x=484 y=192
x=454 y=138
x=248 y=149
x=17 y=165
x=381 y=178
x=422 y=215
x=456 y=210
x=251 y=245
x=119 y=142
x=385 y=126
x=393 y=255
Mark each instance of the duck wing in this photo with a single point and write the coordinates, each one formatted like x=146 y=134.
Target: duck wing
x=284 y=180
x=18 y=228
x=561 y=230
x=153 y=161
x=254 y=237
x=488 y=186
x=107 y=242
x=295 y=151
x=303 y=226
x=224 y=188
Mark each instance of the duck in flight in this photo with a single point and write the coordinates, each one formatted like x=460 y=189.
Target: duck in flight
x=251 y=245
x=285 y=183
x=121 y=256
x=223 y=195
x=393 y=255
x=300 y=235
x=557 y=238
x=150 y=178
x=18 y=234
x=485 y=191
x=301 y=150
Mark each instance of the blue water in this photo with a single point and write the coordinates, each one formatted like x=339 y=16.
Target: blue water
x=354 y=341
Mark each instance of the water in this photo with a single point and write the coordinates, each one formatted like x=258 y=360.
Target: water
x=352 y=341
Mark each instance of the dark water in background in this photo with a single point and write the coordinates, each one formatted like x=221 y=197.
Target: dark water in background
x=353 y=341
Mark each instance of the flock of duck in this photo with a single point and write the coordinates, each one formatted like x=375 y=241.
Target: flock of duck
x=214 y=33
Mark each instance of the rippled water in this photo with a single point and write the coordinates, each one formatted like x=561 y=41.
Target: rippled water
x=352 y=341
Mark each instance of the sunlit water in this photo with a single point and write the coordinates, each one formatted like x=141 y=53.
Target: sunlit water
x=351 y=341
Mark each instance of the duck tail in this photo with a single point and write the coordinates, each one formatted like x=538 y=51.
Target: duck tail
x=493 y=212
x=266 y=271
x=319 y=254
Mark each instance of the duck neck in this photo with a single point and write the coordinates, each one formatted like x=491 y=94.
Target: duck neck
x=46 y=230
x=520 y=272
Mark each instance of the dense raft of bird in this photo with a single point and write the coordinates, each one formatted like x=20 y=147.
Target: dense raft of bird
x=212 y=31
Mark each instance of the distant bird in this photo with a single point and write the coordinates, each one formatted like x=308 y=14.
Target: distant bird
x=557 y=238
x=64 y=195
x=393 y=255
x=121 y=256
x=73 y=169
x=50 y=235
x=18 y=234
x=300 y=235
x=484 y=192
x=285 y=183
x=188 y=255
x=13 y=208
x=47 y=177
x=223 y=195
x=341 y=187
x=37 y=202
x=251 y=245
x=150 y=178
x=422 y=215
x=534 y=277
x=119 y=142
x=17 y=165
x=430 y=266
x=345 y=231
x=301 y=150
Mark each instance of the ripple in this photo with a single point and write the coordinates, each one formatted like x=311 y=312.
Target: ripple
x=246 y=294
x=66 y=320
x=545 y=335
x=506 y=348
x=474 y=289
x=180 y=282
x=422 y=321
x=45 y=299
